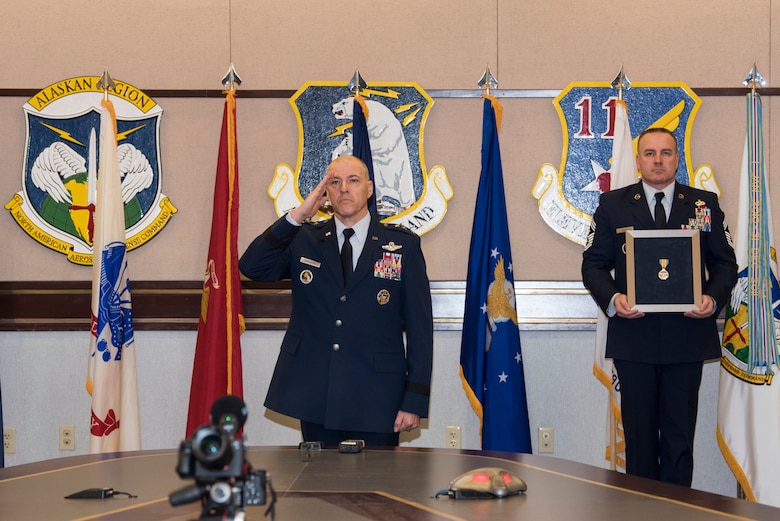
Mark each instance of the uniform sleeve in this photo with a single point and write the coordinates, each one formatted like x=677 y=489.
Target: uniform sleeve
x=418 y=316
x=267 y=259
x=720 y=259
x=598 y=259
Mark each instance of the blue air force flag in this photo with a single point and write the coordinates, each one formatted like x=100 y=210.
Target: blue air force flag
x=490 y=355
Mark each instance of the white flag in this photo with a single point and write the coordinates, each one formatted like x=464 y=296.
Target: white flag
x=111 y=375
x=622 y=173
x=749 y=393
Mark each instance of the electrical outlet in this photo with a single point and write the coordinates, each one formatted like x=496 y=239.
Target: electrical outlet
x=67 y=437
x=9 y=440
x=452 y=436
x=546 y=439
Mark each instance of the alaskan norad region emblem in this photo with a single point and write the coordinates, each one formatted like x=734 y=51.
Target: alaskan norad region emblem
x=56 y=204
x=568 y=196
x=407 y=193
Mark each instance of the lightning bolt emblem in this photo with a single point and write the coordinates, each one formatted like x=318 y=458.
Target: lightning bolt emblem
x=341 y=129
x=68 y=137
x=123 y=135
x=389 y=93
x=63 y=134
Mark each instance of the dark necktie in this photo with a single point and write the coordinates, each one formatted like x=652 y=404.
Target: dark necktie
x=346 y=254
x=660 y=213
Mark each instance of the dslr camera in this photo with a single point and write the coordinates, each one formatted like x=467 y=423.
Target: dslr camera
x=215 y=457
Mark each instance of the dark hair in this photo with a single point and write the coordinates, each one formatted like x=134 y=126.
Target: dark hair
x=653 y=130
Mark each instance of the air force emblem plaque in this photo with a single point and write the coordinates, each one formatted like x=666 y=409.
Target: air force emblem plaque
x=406 y=193
x=568 y=196
x=56 y=204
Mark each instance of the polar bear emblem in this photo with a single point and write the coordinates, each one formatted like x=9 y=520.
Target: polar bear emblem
x=393 y=182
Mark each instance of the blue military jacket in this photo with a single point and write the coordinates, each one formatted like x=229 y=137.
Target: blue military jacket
x=658 y=338
x=352 y=356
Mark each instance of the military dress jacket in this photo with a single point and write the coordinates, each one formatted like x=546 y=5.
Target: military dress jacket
x=352 y=356
x=659 y=338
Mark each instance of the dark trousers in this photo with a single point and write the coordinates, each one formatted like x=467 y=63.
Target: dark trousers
x=659 y=404
x=332 y=437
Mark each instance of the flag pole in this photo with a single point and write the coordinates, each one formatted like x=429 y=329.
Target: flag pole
x=217 y=367
x=618 y=83
x=753 y=81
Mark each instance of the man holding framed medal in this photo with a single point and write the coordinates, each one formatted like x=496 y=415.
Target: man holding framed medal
x=659 y=260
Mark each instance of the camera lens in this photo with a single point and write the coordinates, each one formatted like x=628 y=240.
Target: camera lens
x=211 y=447
x=211 y=444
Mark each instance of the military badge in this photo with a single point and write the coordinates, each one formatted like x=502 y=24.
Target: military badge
x=407 y=192
x=383 y=297
x=306 y=276
x=56 y=204
x=569 y=195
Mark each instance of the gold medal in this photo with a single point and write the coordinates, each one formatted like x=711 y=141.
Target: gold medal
x=663 y=274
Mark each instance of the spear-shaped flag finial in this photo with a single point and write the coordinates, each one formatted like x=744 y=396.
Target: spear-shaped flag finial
x=488 y=81
x=231 y=79
x=754 y=80
x=621 y=82
x=105 y=82
x=356 y=83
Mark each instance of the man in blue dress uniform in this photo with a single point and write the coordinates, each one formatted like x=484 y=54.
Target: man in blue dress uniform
x=659 y=356
x=356 y=360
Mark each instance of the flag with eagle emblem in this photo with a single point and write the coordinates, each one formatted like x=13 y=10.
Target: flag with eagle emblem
x=111 y=377
x=491 y=360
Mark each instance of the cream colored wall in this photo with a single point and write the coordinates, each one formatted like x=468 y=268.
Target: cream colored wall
x=442 y=44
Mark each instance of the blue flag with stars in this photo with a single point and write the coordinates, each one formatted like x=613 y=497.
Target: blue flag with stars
x=491 y=360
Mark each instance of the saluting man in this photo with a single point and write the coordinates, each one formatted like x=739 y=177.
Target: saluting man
x=358 y=285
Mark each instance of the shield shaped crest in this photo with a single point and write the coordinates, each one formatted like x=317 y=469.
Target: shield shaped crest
x=407 y=193
x=56 y=203
x=568 y=196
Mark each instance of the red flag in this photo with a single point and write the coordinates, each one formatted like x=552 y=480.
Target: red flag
x=217 y=367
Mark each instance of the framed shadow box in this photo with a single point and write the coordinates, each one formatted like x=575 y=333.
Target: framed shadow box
x=663 y=270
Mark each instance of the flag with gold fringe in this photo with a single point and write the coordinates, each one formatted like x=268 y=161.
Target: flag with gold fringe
x=622 y=173
x=491 y=360
x=748 y=429
x=217 y=369
x=111 y=377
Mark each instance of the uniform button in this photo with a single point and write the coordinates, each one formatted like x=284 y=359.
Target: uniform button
x=338 y=322
x=343 y=298
x=336 y=347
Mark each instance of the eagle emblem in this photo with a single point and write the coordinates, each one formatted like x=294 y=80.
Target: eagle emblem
x=500 y=298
